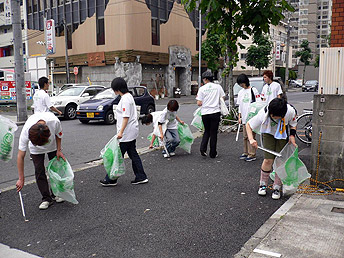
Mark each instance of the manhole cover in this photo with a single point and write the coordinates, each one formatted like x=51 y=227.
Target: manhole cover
x=337 y=210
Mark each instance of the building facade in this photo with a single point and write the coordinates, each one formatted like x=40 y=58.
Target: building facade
x=158 y=34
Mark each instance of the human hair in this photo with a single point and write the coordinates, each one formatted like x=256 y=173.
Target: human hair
x=269 y=74
x=207 y=75
x=42 y=81
x=173 y=105
x=242 y=78
x=278 y=107
x=39 y=134
x=119 y=84
x=147 y=119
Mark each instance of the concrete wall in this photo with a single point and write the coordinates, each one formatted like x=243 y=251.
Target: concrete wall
x=328 y=118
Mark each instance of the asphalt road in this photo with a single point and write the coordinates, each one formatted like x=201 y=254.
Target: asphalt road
x=191 y=207
x=82 y=143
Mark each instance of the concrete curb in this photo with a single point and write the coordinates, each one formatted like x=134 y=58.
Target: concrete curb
x=9 y=252
x=264 y=230
x=90 y=164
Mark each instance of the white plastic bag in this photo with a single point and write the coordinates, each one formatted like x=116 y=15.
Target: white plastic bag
x=224 y=109
x=291 y=170
x=61 y=177
x=7 y=130
x=197 y=120
x=113 y=160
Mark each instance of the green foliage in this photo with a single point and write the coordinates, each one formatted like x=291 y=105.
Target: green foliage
x=292 y=75
x=305 y=53
x=258 y=55
x=317 y=61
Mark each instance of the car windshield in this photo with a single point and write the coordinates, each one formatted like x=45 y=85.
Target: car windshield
x=106 y=94
x=310 y=82
x=258 y=84
x=73 y=91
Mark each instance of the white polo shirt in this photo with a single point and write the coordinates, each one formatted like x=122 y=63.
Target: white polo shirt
x=41 y=101
x=55 y=128
x=127 y=108
x=271 y=91
x=244 y=100
x=210 y=95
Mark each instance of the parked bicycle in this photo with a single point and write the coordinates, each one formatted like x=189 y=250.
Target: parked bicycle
x=230 y=122
x=304 y=126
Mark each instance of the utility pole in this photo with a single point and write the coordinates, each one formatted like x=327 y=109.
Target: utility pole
x=66 y=40
x=199 y=45
x=287 y=53
x=18 y=62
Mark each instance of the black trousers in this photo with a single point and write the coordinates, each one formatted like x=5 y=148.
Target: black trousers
x=41 y=177
x=211 y=125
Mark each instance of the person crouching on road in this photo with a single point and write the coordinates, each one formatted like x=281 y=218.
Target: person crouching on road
x=42 y=132
x=149 y=119
x=246 y=96
x=273 y=121
x=208 y=97
x=127 y=132
x=168 y=128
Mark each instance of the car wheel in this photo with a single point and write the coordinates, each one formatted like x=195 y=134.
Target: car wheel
x=110 y=118
x=84 y=121
x=150 y=109
x=70 y=112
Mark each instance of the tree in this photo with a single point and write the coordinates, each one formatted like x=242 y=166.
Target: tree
x=305 y=56
x=234 y=19
x=317 y=61
x=258 y=55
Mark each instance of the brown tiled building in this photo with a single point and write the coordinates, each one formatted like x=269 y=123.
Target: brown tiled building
x=337 y=30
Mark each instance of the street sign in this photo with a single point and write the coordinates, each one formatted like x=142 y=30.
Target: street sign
x=278 y=50
x=76 y=70
x=50 y=37
x=8 y=10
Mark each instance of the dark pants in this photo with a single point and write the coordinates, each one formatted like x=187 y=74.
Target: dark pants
x=211 y=126
x=130 y=148
x=41 y=177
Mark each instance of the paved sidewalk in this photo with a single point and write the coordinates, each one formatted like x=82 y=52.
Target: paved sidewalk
x=305 y=226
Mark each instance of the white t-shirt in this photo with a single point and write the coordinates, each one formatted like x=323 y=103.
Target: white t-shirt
x=269 y=92
x=210 y=95
x=244 y=100
x=41 y=101
x=127 y=108
x=55 y=128
x=263 y=120
x=156 y=117
x=170 y=118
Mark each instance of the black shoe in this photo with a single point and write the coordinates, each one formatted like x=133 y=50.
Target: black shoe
x=204 y=154
x=104 y=182
x=141 y=181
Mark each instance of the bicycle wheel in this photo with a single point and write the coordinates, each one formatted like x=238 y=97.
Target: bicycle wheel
x=304 y=128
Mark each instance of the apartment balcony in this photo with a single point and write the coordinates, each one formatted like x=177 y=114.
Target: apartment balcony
x=7 y=62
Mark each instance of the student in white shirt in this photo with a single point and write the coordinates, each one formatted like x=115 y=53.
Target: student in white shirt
x=41 y=99
x=208 y=97
x=271 y=89
x=42 y=133
x=246 y=96
x=127 y=132
x=272 y=121
x=153 y=118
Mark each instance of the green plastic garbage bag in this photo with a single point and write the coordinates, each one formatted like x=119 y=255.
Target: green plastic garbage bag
x=197 y=120
x=156 y=141
x=112 y=158
x=7 y=130
x=61 y=179
x=291 y=170
x=254 y=108
x=186 y=137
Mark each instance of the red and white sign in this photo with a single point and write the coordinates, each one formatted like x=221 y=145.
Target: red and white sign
x=50 y=37
x=278 y=50
x=76 y=70
x=8 y=90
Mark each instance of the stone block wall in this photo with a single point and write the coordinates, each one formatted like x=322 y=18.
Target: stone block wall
x=328 y=118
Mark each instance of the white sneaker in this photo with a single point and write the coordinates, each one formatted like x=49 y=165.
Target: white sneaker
x=172 y=154
x=276 y=194
x=58 y=199
x=166 y=155
x=262 y=190
x=45 y=205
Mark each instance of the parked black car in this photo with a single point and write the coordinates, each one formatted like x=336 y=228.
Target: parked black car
x=100 y=107
x=311 y=85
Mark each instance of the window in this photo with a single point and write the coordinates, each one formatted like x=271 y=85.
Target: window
x=22 y=24
x=100 y=31
x=325 y=3
x=304 y=2
x=303 y=21
x=92 y=91
x=35 y=5
x=69 y=36
x=303 y=32
x=140 y=92
x=303 y=12
x=324 y=45
x=243 y=56
x=325 y=17
x=155 y=32
x=325 y=7
x=2 y=8
x=324 y=26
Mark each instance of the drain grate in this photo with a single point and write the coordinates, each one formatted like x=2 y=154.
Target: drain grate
x=337 y=210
